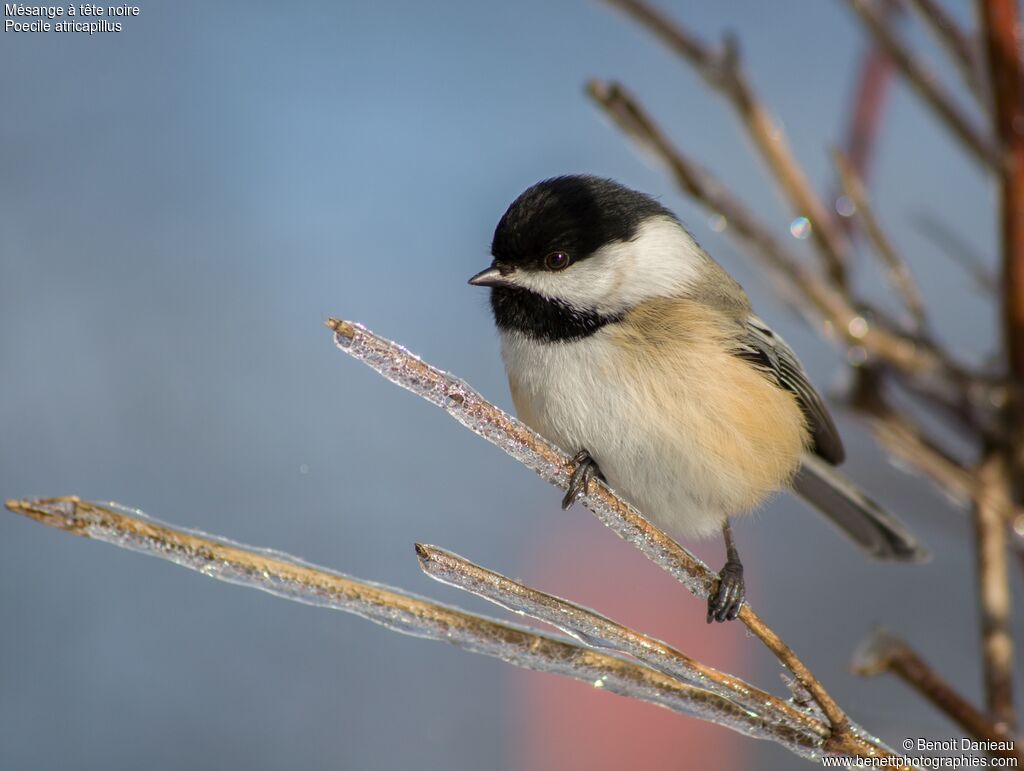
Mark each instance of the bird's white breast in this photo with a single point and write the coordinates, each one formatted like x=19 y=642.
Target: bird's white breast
x=574 y=394
x=679 y=426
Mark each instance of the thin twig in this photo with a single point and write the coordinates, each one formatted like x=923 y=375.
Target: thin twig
x=722 y=72
x=907 y=355
x=473 y=411
x=905 y=441
x=960 y=47
x=896 y=267
x=992 y=513
x=883 y=652
x=399 y=611
x=927 y=86
x=953 y=245
x=598 y=631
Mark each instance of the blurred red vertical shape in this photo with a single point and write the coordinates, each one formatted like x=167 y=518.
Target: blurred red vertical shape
x=570 y=727
x=867 y=108
x=867 y=104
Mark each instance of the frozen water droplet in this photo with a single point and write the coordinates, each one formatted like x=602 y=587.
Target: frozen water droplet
x=800 y=228
x=858 y=327
x=718 y=223
x=845 y=207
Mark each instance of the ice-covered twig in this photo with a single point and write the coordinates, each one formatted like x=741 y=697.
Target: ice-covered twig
x=473 y=411
x=597 y=631
x=722 y=72
x=882 y=652
x=290 y=578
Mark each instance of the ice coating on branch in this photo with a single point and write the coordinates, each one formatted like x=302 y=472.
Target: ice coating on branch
x=284 y=576
x=469 y=408
x=597 y=631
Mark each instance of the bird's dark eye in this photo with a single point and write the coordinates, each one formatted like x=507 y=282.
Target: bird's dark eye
x=557 y=261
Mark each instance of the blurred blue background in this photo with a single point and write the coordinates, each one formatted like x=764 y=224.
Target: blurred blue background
x=182 y=205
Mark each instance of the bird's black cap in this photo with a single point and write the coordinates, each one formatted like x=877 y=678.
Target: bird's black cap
x=575 y=214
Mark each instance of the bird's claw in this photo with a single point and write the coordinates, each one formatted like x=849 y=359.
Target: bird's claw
x=727 y=601
x=579 y=482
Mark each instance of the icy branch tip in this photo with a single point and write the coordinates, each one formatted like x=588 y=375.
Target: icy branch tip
x=55 y=512
x=344 y=331
x=435 y=561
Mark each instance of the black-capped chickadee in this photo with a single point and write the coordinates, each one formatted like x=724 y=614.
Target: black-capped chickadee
x=626 y=344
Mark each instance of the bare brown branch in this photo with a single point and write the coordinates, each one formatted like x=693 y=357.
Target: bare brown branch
x=882 y=653
x=992 y=514
x=1000 y=24
x=722 y=72
x=927 y=86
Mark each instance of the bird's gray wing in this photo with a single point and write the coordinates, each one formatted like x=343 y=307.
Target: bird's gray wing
x=768 y=352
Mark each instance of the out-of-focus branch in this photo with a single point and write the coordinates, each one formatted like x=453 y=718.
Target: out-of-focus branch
x=907 y=355
x=953 y=245
x=958 y=45
x=896 y=267
x=883 y=652
x=408 y=614
x=598 y=631
x=474 y=412
x=927 y=86
x=992 y=513
x=902 y=439
x=1001 y=27
x=722 y=72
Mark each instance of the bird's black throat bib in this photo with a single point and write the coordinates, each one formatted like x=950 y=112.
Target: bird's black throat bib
x=541 y=318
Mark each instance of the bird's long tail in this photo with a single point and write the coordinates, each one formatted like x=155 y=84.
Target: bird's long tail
x=878 y=533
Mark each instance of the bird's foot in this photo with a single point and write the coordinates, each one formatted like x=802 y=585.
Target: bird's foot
x=579 y=482
x=728 y=599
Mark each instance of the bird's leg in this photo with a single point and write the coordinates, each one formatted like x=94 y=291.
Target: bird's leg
x=728 y=599
x=579 y=482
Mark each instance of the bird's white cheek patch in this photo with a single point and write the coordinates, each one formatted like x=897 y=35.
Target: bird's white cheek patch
x=661 y=261
x=587 y=285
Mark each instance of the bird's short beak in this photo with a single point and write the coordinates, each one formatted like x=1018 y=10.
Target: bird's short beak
x=490 y=277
